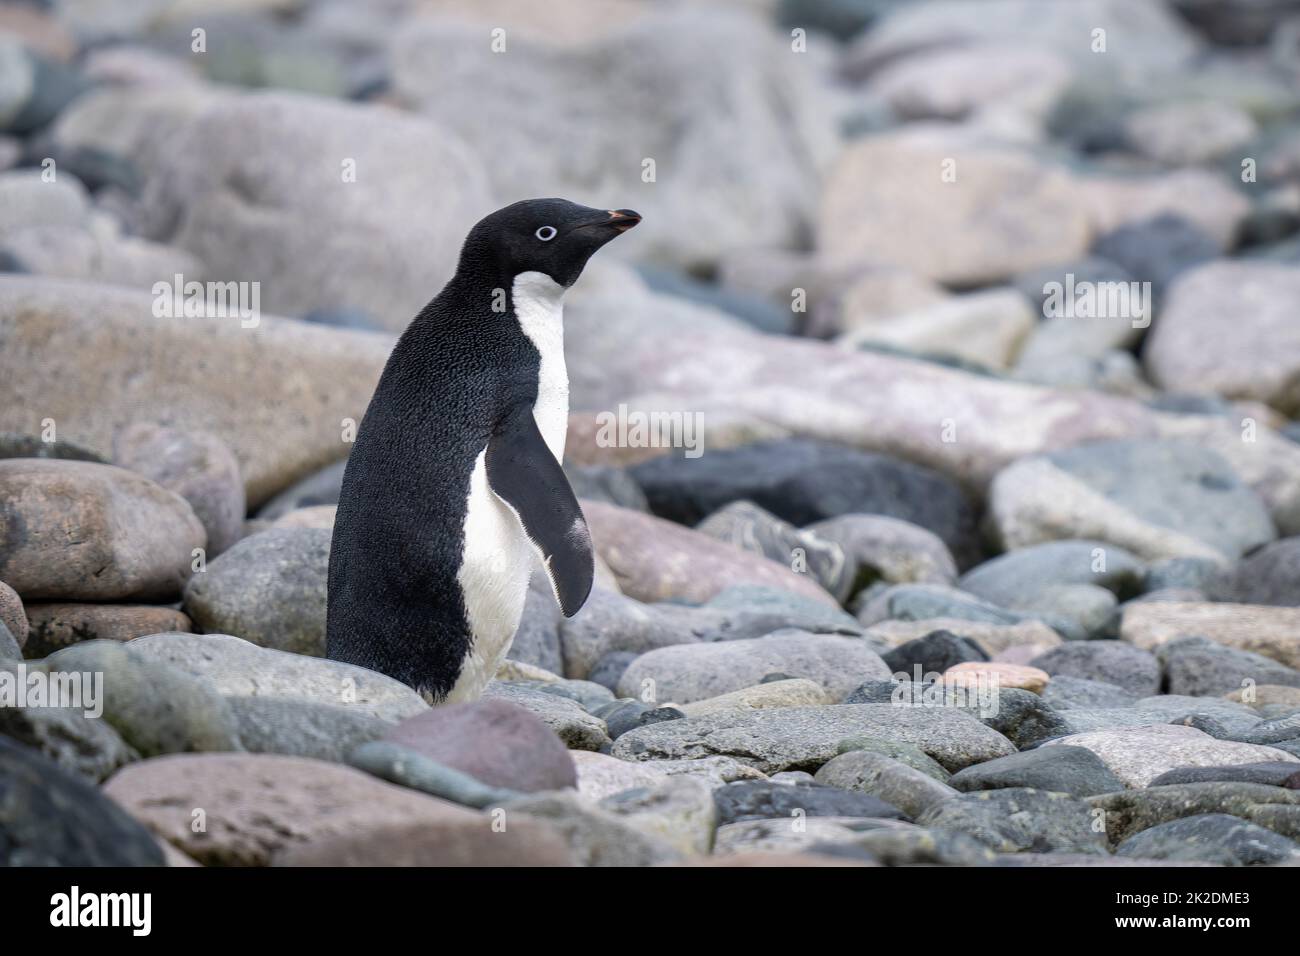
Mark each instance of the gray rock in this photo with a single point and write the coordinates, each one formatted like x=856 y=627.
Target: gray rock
x=691 y=672
x=770 y=799
x=804 y=738
x=1257 y=358
x=537 y=641
x=888 y=549
x=1078 y=612
x=751 y=611
x=269 y=589
x=1157 y=499
x=1199 y=574
x=1274 y=730
x=917 y=846
x=606 y=483
x=52 y=817
x=751 y=528
x=158 y=708
x=1200 y=667
x=1071 y=770
x=678 y=810
x=1113 y=662
x=1211 y=838
x=197 y=466
x=1139 y=754
x=609 y=669
x=1271 y=575
x=908 y=754
x=9 y=649
x=611 y=623
x=595 y=836
x=1064 y=692
x=1017 y=819
x=87 y=746
x=319 y=488
x=1019 y=575
x=885 y=778
x=301 y=728
x=1158 y=249
x=804 y=481
x=240 y=669
x=933 y=654
x=578 y=729
x=409 y=768
x=1274 y=774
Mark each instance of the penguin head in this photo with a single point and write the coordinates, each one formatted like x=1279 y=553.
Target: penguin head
x=551 y=236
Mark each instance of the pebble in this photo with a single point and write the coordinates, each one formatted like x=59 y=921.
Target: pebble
x=803 y=481
x=1020 y=819
x=975 y=674
x=933 y=654
x=1156 y=499
x=135 y=538
x=1270 y=575
x=1198 y=667
x=600 y=775
x=12 y=615
x=492 y=740
x=198 y=466
x=409 y=768
x=794 y=692
x=888 y=549
x=679 y=810
x=237 y=668
x=806 y=737
x=300 y=728
x=1138 y=755
x=1260 y=629
x=53 y=817
x=1111 y=662
x=595 y=836
x=694 y=672
x=269 y=589
x=157 y=707
x=768 y=800
x=656 y=560
x=1064 y=769
x=909 y=754
x=57 y=625
x=892 y=781
x=1211 y=838
x=577 y=728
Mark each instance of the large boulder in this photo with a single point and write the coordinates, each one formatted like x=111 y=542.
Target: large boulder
x=277 y=394
x=327 y=204
x=83 y=531
x=669 y=70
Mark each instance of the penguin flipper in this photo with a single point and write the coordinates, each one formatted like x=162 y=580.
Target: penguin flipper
x=524 y=474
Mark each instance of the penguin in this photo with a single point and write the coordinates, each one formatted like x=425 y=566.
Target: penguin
x=453 y=490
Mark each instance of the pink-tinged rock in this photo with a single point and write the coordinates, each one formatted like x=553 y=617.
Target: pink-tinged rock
x=492 y=740
x=57 y=625
x=625 y=344
x=78 y=530
x=92 y=357
x=1262 y=629
x=985 y=673
x=198 y=466
x=12 y=614
x=255 y=806
x=657 y=560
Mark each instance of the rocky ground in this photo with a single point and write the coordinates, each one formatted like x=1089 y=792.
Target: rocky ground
x=956 y=579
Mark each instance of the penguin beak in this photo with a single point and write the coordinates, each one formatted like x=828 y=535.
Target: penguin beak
x=620 y=220
x=623 y=219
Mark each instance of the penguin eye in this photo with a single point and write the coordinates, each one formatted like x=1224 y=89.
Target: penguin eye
x=546 y=233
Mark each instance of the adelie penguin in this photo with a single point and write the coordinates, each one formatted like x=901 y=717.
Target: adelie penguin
x=453 y=489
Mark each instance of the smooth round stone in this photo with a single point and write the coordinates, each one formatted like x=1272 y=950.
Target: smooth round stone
x=933 y=654
x=55 y=626
x=890 y=780
x=1275 y=773
x=1020 y=818
x=908 y=754
x=1113 y=662
x=300 y=728
x=52 y=817
x=984 y=673
x=1211 y=838
x=1270 y=575
x=773 y=799
x=1071 y=770
x=1065 y=692
x=12 y=615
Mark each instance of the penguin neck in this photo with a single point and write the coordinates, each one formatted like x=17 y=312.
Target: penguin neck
x=538 y=304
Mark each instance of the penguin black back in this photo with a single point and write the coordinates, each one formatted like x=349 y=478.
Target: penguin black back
x=424 y=566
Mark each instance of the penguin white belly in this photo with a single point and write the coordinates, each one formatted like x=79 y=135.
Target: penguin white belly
x=498 y=558
x=495 y=566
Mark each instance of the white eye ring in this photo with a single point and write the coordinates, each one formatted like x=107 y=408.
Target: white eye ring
x=546 y=233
